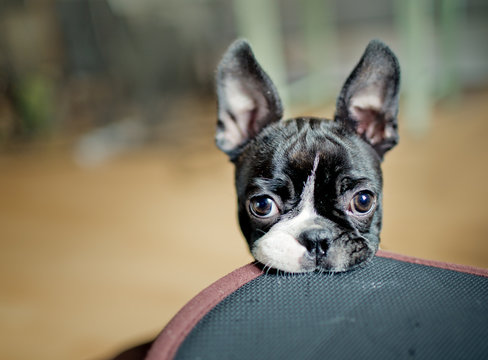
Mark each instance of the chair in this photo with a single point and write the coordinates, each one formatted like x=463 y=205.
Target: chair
x=396 y=307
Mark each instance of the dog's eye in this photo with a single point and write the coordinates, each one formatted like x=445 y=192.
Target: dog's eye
x=263 y=206
x=362 y=202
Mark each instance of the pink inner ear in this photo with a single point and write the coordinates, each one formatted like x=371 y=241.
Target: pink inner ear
x=370 y=124
x=248 y=106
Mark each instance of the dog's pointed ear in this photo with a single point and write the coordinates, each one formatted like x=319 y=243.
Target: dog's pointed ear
x=247 y=99
x=368 y=101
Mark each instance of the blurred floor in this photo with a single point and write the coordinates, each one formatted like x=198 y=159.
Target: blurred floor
x=95 y=260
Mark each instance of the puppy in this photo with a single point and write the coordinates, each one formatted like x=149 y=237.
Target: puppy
x=309 y=190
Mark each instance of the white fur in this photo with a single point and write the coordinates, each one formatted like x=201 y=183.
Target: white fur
x=279 y=250
x=279 y=247
x=368 y=100
x=231 y=136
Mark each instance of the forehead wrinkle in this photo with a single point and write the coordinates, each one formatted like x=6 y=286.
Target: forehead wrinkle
x=274 y=185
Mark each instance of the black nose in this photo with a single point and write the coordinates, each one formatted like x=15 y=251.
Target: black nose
x=316 y=241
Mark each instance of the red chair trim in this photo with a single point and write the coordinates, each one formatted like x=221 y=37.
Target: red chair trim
x=167 y=343
x=439 y=264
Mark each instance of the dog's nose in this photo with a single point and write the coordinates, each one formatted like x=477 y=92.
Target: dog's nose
x=316 y=241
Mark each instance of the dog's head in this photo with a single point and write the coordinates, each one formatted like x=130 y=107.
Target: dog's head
x=309 y=190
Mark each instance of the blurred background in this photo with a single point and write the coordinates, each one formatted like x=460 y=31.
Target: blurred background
x=115 y=206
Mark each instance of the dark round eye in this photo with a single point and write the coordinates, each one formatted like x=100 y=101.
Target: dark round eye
x=263 y=206
x=362 y=202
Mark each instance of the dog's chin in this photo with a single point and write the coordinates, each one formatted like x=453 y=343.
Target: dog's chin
x=286 y=254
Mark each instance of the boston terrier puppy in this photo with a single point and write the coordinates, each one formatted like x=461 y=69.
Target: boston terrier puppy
x=309 y=189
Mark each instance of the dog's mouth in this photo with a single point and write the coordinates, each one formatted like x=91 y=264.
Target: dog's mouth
x=319 y=253
x=285 y=253
x=316 y=252
x=340 y=255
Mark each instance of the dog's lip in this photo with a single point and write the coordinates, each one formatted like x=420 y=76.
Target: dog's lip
x=313 y=257
x=319 y=254
x=317 y=261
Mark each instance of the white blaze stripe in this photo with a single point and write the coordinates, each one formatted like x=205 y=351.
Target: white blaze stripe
x=307 y=197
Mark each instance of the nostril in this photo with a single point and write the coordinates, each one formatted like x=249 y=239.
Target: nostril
x=321 y=247
x=315 y=241
x=310 y=245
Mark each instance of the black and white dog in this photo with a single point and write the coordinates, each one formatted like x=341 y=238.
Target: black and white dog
x=309 y=189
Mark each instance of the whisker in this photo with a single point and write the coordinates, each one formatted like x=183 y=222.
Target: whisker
x=269 y=268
